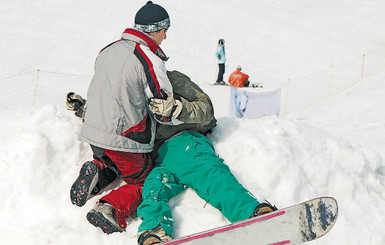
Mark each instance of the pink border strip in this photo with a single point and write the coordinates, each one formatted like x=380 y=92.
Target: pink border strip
x=227 y=228
x=280 y=243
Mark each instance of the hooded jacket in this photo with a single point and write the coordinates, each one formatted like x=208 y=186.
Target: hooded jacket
x=127 y=73
x=221 y=55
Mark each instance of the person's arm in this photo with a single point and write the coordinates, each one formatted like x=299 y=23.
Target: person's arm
x=188 y=104
x=196 y=112
x=153 y=73
x=158 y=88
x=218 y=53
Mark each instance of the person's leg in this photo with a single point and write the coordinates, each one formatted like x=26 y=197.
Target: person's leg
x=93 y=177
x=192 y=158
x=223 y=70
x=160 y=186
x=220 y=72
x=132 y=167
x=246 y=82
x=111 y=211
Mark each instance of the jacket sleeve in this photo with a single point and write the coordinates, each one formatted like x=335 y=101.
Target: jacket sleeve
x=154 y=74
x=217 y=53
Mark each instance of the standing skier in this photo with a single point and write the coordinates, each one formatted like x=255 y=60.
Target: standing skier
x=221 y=55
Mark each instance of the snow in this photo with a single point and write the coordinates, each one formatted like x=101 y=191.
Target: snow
x=332 y=148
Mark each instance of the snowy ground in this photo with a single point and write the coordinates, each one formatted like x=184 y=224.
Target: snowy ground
x=334 y=148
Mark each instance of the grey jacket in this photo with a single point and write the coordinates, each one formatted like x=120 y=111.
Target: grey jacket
x=127 y=73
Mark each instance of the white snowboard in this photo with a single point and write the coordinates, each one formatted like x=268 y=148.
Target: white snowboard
x=295 y=224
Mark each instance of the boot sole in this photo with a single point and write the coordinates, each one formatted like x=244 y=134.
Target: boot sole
x=86 y=181
x=97 y=219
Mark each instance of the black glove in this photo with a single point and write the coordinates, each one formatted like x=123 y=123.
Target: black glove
x=75 y=103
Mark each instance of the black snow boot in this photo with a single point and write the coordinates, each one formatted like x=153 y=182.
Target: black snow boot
x=264 y=208
x=156 y=235
x=84 y=185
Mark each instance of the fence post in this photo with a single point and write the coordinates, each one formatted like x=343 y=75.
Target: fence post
x=34 y=93
x=287 y=95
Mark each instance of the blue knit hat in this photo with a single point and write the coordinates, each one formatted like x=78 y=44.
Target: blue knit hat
x=151 y=18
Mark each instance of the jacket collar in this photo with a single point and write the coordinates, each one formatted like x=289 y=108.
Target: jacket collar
x=142 y=38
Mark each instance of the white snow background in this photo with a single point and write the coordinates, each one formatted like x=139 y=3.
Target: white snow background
x=333 y=148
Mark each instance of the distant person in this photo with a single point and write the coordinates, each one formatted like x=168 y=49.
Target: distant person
x=221 y=55
x=239 y=79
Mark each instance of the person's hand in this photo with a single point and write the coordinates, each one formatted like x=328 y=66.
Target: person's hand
x=167 y=107
x=75 y=102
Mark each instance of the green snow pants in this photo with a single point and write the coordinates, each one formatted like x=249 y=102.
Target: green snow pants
x=189 y=160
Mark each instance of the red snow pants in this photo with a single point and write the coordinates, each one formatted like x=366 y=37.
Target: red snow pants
x=134 y=168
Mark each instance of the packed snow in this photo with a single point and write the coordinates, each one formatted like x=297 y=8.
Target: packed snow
x=333 y=148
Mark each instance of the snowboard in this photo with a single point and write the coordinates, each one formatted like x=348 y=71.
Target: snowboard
x=299 y=223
